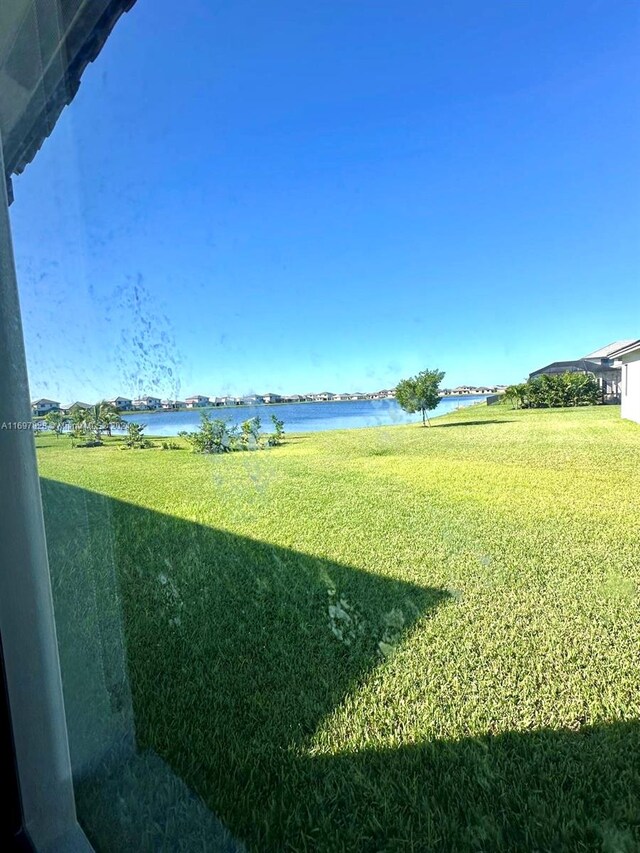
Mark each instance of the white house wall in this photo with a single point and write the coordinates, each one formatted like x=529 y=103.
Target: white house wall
x=631 y=387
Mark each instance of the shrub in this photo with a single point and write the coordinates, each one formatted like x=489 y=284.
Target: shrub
x=218 y=436
x=277 y=436
x=212 y=437
x=135 y=439
x=555 y=391
x=250 y=434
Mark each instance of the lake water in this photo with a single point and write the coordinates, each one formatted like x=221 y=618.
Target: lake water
x=298 y=417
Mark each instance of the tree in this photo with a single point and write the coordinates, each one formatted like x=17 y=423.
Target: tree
x=278 y=435
x=56 y=421
x=514 y=394
x=420 y=393
x=95 y=422
x=135 y=437
x=103 y=416
x=111 y=418
x=214 y=436
x=79 y=420
x=250 y=433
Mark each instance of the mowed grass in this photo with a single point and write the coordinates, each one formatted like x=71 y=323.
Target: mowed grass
x=478 y=688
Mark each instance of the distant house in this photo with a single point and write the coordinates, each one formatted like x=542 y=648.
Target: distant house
x=197 y=401
x=251 y=400
x=72 y=407
x=169 y=405
x=43 y=406
x=629 y=358
x=147 y=403
x=322 y=397
x=603 y=363
x=342 y=397
x=122 y=404
x=272 y=398
x=357 y=395
x=228 y=401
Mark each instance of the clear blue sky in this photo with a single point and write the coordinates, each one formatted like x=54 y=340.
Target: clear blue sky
x=289 y=196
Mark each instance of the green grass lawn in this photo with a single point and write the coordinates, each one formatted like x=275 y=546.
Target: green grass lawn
x=386 y=639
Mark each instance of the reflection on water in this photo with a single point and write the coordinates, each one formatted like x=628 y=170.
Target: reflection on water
x=299 y=417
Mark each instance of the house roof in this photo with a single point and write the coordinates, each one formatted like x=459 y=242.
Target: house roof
x=610 y=349
x=578 y=364
x=44 y=400
x=629 y=346
x=44 y=50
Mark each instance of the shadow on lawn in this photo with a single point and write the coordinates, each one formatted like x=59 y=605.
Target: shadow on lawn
x=235 y=658
x=472 y=423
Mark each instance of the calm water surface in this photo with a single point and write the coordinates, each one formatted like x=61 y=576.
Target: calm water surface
x=298 y=417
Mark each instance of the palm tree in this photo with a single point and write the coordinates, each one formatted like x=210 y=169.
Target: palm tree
x=511 y=394
x=56 y=421
x=96 y=416
x=523 y=393
x=79 y=419
x=517 y=394
x=111 y=418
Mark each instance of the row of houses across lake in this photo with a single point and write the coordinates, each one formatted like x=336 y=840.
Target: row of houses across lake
x=199 y=401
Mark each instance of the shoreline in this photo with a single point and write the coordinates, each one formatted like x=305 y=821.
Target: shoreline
x=283 y=403
x=120 y=434
x=296 y=434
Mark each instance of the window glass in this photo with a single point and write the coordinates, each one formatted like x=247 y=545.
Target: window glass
x=339 y=488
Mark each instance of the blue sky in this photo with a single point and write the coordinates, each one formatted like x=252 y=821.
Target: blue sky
x=251 y=197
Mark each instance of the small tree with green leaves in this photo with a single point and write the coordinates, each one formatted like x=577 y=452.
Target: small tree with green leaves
x=56 y=422
x=212 y=437
x=79 y=420
x=517 y=394
x=420 y=393
x=135 y=438
x=95 y=422
x=277 y=436
x=250 y=434
x=512 y=395
x=112 y=419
